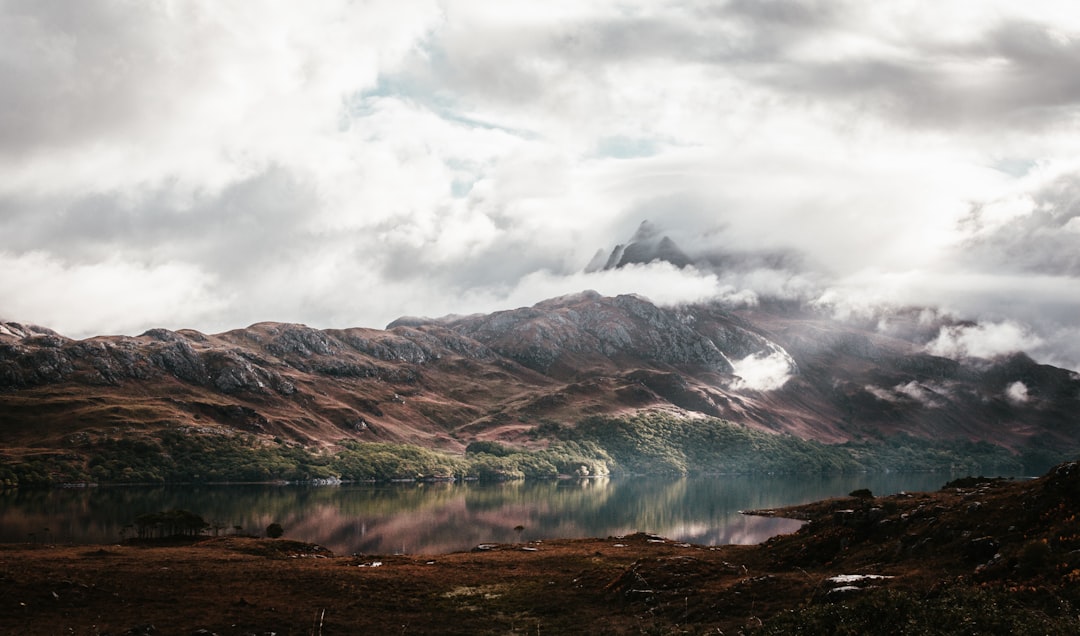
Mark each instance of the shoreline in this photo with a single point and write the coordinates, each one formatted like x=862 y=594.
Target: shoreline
x=1000 y=555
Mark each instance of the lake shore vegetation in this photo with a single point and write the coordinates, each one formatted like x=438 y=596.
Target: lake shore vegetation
x=653 y=443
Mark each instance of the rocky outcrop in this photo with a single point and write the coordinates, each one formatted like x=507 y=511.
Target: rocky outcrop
x=591 y=330
x=242 y=360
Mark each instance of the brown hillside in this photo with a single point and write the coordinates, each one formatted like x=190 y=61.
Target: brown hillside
x=443 y=383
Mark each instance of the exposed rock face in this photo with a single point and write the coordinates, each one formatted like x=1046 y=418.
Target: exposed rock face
x=647 y=245
x=604 y=331
x=240 y=360
x=445 y=382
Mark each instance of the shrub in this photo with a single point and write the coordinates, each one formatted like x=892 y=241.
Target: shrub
x=491 y=448
x=169 y=523
x=1033 y=556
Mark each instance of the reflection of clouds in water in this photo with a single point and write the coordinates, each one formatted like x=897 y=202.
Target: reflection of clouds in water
x=441 y=518
x=741 y=530
x=696 y=511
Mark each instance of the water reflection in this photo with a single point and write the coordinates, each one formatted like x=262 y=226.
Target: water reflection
x=437 y=518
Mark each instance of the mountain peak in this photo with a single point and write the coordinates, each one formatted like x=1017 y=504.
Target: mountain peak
x=648 y=244
x=647 y=231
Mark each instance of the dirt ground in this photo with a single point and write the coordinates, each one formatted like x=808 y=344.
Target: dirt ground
x=1013 y=537
x=258 y=586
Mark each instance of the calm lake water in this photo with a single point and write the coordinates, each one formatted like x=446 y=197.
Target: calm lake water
x=420 y=518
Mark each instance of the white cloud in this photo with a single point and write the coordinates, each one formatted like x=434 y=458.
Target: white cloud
x=763 y=371
x=199 y=92
x=984 y=340
x=928 y=396
x=660 y=282
x=1017 y=393
x=880 y=393
x=108 y=297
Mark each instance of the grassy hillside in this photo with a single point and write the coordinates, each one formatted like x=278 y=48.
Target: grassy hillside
x=645 y=443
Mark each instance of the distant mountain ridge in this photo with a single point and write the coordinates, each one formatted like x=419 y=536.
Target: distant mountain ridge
x=445 y=383
x=648 y=244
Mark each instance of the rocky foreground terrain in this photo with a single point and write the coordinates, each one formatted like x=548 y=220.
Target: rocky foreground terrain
x=980 y=556
x=442 y=384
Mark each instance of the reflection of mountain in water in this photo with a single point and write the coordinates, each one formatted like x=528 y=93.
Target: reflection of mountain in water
x=440 y=518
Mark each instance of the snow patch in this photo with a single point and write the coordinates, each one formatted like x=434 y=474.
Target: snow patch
x=856 y=578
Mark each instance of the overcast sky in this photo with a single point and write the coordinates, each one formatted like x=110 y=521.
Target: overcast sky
x=214 y=164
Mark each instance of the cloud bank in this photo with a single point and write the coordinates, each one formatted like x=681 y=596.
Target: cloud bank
x=212 y=164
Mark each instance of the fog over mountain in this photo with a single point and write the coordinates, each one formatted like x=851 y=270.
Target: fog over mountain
x=212 y=164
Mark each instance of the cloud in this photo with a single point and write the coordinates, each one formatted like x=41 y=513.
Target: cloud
x=110 y=95
x=662 y=283
x=988 y=66
x=106 y=297
x=346 y=164
x=880 y=393
x=763 y=371
x=1017 y=393
x=1028 y=231
x=984 y=340
x=928 y=396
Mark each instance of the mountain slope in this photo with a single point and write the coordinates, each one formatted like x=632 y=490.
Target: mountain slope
x=445 y=383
